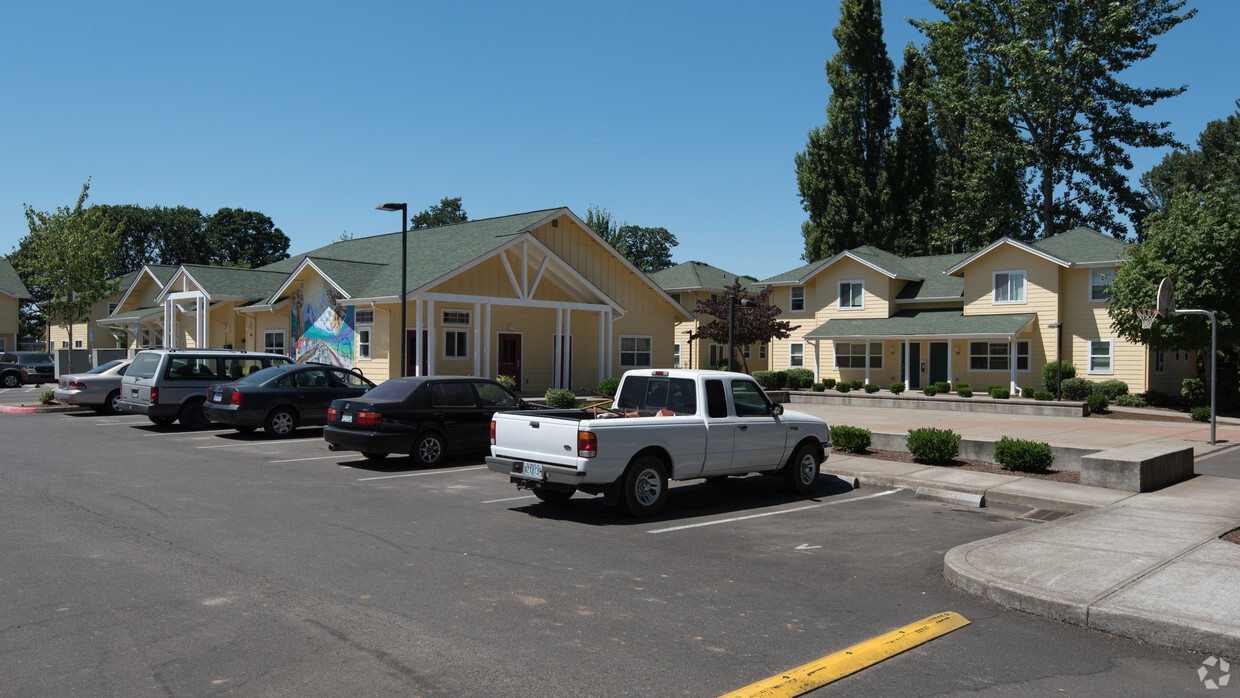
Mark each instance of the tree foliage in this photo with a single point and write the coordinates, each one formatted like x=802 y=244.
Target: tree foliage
x=66 y=257
x=754 y=324
x=1216 y=161
x=649 y=249
x=912 y=173
x=181 y=235
x=446 y=212
x=240 y=238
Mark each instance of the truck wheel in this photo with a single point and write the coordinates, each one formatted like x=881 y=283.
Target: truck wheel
x=645 y=487
x=11 y=380
x=191 y=415
x=553 y=496
x=428 y=449
x=802 y=471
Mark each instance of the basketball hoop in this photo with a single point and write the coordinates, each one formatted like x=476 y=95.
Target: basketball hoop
x=1147 y=316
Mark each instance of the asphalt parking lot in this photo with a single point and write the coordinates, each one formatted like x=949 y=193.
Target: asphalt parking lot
x=144 y=560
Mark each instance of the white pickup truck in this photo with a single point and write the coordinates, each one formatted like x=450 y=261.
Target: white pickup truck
x=664 y=424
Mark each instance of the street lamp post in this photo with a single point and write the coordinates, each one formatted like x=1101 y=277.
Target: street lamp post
x=404 y=274
x=1058 y=327
x=732 y=303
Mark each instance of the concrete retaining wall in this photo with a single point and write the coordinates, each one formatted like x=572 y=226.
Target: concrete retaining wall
x=980 y=403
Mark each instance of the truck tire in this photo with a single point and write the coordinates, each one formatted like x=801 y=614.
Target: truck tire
x=802 y=470
x=553 y=496
x=11 y=380
x=192 y=416
x=644 y=487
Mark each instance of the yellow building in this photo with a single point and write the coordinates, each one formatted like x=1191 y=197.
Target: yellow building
x=688 y=283
x=12 y=293
x=992 y=317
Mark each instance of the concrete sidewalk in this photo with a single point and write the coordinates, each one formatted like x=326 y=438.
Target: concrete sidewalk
x=1147 y=566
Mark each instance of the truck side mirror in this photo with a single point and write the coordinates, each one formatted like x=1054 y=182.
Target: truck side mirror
x=777 y=409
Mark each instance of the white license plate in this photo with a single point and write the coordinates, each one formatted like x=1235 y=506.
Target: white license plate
x=532 y=469
x=346 y=417
x=216 y=397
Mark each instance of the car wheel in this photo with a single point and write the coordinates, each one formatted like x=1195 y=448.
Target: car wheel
x=802 y=471
x=553 y=496
x=10 y=380
x=281 y=422
x=245 y=430
x=428 y=449
x=645 y=487
x=111 y=403
x=162 y=421
x=374 y=455
x=192 y=415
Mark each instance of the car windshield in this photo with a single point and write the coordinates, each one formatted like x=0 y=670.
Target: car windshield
x=392 y=390
x=103 y=367
x=33 y=357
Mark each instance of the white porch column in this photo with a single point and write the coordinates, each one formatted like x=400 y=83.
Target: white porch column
x=951 y=345
x=817 y=345
x=486 y=340
x=907 y=368
x=431 y=339
x=555 y=348
x=602 y=346
x=477 y=345
x=418 y=349
x=169 y=322
x=203 y=329
x=566 y=362
x=867 y=361
x=1012 y=364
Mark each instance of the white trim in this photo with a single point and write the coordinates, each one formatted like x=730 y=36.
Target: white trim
x=358 y=343
x=1089 y=354
x=307 y=262
x=791 y=346
x=649 y=351
x=1089 y=294
x=1011 y=354
x=994 y=286
x=792 y=299
x=454 y=329
x=950 y=271
x=283 y=340
x=839 y=300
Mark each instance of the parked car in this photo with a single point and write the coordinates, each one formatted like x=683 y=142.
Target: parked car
x=18 y=367
x=282 y=398
x=426 y=417
x=168 y=385
x=98 y=388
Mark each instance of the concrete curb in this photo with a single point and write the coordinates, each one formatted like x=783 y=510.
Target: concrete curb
x=15 y=409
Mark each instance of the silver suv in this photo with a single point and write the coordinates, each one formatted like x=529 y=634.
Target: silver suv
x=168 y=385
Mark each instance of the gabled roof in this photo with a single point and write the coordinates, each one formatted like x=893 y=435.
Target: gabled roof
x=161 y=274
x=226 y=282
x=697 y=276
x=882 y=261
x=10 y=283
x=1079 y=247
x=934 y=284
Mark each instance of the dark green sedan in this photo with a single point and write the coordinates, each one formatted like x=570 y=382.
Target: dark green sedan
x=282 y=398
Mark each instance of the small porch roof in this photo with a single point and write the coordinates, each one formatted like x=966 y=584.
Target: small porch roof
x=949 y=323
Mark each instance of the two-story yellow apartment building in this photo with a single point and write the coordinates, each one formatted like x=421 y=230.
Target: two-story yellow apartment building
x=688 y=283
x=12 y=293
x=991 y=317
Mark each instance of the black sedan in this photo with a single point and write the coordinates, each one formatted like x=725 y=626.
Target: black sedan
x=426 y=417
x=282 y=398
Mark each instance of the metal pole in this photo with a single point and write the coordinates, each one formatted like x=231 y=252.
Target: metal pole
x=404 y=286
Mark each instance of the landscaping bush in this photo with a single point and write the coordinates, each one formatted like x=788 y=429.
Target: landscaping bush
x=799 y=378
x=608 y=386
x=1112 y=388
x=1000 y=393
x=561 y=398
x=1157 y=398
x=943 y=387
x=1193 y=389
x=1130 y=401
x=871 y=387
x=47 y=397
x=1077 y=389
x=995 y=386
x=1098 y=402
x=966 y=391
x=843 y=386
x=850 y=439
x=857 y=384
x=1200 y=414
x=818 y=387
x=1024 y=456
x=830 y=383
x=1043 y=395
x=933 y=446
x=1028 y=391
x=930 y=391
x=508 y=382
x=769 y=380
x=1048 y=374
x=962 y=385
x=722 y=365
x=897 y=387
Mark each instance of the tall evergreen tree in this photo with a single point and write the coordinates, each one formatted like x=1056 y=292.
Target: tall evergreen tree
x=1216 y=160
x=840 y=173
x=911 y=179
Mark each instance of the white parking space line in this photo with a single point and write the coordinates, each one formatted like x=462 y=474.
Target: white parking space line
x=198 y=434
x=508 y=499
x=235 y=444
x=428 y=472
x=771 y=513
x=294 y=460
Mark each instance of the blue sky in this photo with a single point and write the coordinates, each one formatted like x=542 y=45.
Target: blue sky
x=685 y=115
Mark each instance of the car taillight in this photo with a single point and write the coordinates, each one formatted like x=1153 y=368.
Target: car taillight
x=154 y=396
x=236 y=398
x=77 y=384
x=332 y=414
x=370 y=419
x=492 y=432
x=587 y=444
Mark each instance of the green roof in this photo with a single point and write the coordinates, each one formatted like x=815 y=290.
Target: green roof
x=134 y=315
x=934 y=283
x=1084 y=245
x=251 y=284
x=693 y=276
x=950 y=322
x=10 y=283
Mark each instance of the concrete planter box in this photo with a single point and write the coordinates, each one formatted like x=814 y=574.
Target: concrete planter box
x=979 y=403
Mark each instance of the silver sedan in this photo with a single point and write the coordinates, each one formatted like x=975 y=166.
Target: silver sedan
x=98 y=388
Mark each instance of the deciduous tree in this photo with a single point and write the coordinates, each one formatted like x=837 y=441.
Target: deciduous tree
x=240 y=238
x=754 y=324
x=446 y=212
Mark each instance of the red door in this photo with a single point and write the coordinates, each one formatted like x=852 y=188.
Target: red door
x=510 y=357
x=411 y=353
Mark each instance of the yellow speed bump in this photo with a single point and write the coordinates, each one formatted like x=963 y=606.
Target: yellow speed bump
x=833 y=667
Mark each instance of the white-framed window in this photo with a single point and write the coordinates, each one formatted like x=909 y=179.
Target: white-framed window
x=112 y=307
x=1098 y=280
x=852 y=295
x=745 y=351
x=1102 y=356
x=996 y=356
x=363 y=344
x=762 y=352
x=796 y=299
x=456 y=344
x=273 y=341
x=676 y=355
x=363 y=316
x=456 y=317
x=852 y=354
x=796 y=355
x=675 y=297
x=77 y=344
x=716 y=355
x=64 y=344
x=1009 y=286
x=635 y=351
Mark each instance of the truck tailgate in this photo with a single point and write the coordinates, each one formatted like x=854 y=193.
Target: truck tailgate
x=530 y=436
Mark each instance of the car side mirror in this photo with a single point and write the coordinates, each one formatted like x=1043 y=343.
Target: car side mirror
x=777 y=409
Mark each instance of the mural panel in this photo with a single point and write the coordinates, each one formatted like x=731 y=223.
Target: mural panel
x=322 y=329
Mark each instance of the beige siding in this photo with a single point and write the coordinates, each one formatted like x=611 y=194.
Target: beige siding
x=8 y=321
x=1041 y=289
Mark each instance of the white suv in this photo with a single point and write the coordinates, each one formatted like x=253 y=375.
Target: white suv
x=168 y=385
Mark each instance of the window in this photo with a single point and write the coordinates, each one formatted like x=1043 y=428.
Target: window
x=716 y=355
x=852 y=355
x=745 y=351
x=796 y=300
x=4 y=344
x=675 y=297
x=455 y=344
x=1160 y=362
x=112 y=307
x=1098 y=280
x=64 y=344
x=762 y=351
x=363 y=344
x=456 y=317
x=1101 y=356
x=749 y=400
x=364 y=316
x=77 y=344
x=635 y=352
x=852 y=295
x=796 y=355
x=995 y=356
x=676 y=355
x=1009 y=287
x=273 y=341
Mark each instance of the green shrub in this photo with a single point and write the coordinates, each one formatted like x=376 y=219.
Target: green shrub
x=962 y=385
x=1112 y=388
x=608 y=386
x=850 y=439
x=767 y=379
x=858 y=384
x=964 y=392
x=722 y=365
x=1193 y=389
x=1130 y=401
x=509 y=382
x=561 y=398
x=1049 y=375
x=930 y=391
x=943 y=387
x=829 y=382
x=1043 y=395
x=1077 y=389
x=1098 y=402
x=843 y=386
x=1200 y=414
x=818 y=387
x=934 y=446
x=1157 y=398
x=1024 y=456
x=1000 y=393
x=897 y=387
x=1028 y=391
x=871 y=387
x=995 y=386
x=799 y=378
x=47 y=397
